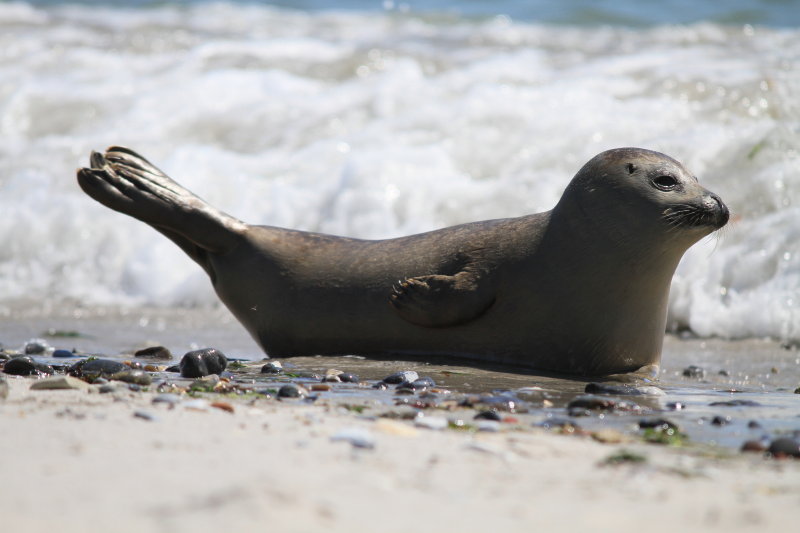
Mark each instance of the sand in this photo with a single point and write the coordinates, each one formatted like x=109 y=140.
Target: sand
x=84 y=461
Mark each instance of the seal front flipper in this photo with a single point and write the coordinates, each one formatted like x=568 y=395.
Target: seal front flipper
x=127 y=182
x=437 y=301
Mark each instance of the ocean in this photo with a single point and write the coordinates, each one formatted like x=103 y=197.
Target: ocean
x=379 y=119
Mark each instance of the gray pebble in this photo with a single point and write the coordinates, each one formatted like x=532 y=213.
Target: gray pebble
x=401 y=377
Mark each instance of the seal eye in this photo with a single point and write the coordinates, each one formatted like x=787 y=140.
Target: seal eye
x=665 y=182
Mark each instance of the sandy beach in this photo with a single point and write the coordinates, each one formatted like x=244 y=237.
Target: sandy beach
x=81 y=460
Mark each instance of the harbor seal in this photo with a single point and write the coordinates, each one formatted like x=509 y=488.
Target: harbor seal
x=580 y=289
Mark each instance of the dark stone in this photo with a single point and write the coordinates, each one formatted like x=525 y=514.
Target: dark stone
x=724 y=373
x=154 y=352
x=401 y=377
x=199 y=363
x=785 y=447
x=26 y=366
x=292 y=390
x=693 y=371
x=616 y=390
x=676 y=406
x=173 y=368
x=348 y=377
x=753 y=424
x=735 y=403
x=489 y=415
x=63 y=353
x=660 y=424
x=95 y=368
x=35 y=347
x=272 y=368
x=381 y=385
x=720 y=420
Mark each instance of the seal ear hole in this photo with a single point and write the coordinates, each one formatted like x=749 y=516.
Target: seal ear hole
x=631 y=168
x=665 y=182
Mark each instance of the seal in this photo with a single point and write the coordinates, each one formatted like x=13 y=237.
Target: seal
x=580 y=289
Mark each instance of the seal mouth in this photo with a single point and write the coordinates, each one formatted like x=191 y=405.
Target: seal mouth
x=710 y=212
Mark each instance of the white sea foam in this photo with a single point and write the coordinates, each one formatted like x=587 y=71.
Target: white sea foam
x=377 y=125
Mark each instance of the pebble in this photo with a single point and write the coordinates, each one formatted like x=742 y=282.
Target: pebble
x=320 y=387
x=273 y=367
x=358 y=437
x=144 y=415
x=785 y=447
x=660 y=424
x=488 y=415
x=675 y=406
x=223 y=406
x=431 y=422
x=292 y=390
x=332 y=375
x=693 y=371
x=616 y=390
x=582 y=405
x=95 y=368
x=199 y=363
x=168 y=398
x=720 y=420
x=26 y=366
x=348 y=377
x=139 y=377
x=36 y=347
x=63 y=353
x=418 y=384
x=754 y=446
x=154 y=352
x=60 y=382
x=401 y=377
x=502 y=402
x=754 y=424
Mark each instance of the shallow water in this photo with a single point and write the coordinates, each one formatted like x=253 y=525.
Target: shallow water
x=757 y=371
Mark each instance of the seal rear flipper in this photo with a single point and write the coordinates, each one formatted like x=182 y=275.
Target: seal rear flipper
x=438 y=301
x=126 y=182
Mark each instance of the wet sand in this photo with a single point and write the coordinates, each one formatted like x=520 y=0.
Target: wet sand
x=84 y=461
